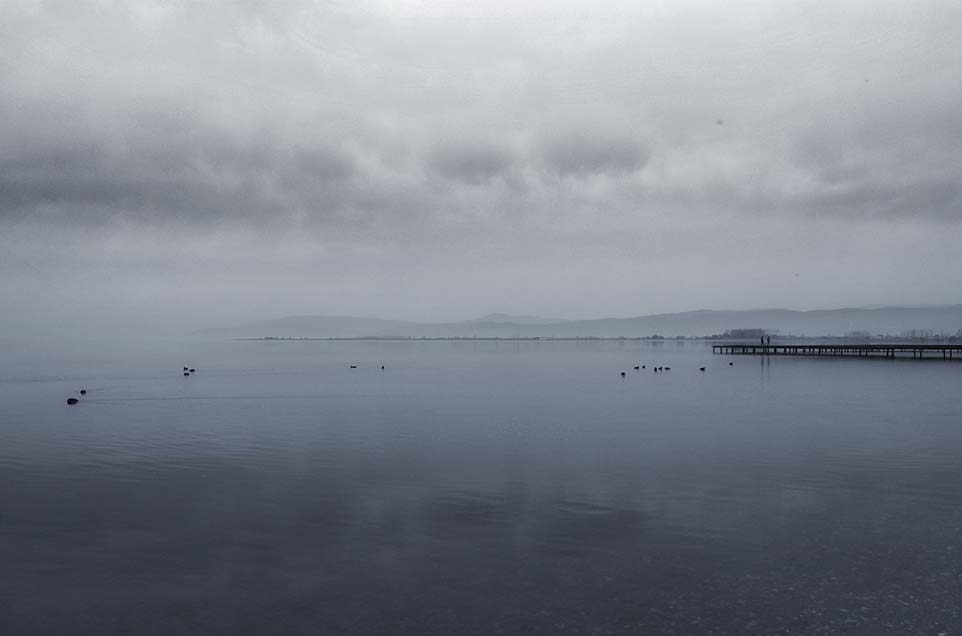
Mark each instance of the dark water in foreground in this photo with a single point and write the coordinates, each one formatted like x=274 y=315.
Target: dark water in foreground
x=479 y=488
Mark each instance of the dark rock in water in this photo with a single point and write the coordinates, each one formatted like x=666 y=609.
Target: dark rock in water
x=72 y=400
x=83 y=391
x=186 y=374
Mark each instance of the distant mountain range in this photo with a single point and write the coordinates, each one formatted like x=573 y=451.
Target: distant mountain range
x=828 y=322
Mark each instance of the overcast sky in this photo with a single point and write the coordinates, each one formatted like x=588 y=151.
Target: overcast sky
x=175 y=165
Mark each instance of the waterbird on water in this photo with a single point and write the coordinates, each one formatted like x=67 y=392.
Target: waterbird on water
x=636 y=367
x=353 y=366
x=72 y=401
x=731 y=364
x=622 y=374
x=83 y=391
x=701 y=368
x=186 y=374
x=192 y=370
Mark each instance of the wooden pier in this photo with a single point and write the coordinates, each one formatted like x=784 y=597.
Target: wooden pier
x=916 y=351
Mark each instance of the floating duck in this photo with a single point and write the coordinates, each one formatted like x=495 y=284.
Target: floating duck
x=72 y=401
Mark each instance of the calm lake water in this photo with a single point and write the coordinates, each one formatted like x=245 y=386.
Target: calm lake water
x=478 y=488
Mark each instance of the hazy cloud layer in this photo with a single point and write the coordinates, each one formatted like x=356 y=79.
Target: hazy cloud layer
x=404 y=159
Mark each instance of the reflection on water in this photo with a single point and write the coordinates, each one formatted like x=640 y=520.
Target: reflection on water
x=480 y=488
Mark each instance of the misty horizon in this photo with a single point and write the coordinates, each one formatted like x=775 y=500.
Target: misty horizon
x=944 y=321
x=501 y=315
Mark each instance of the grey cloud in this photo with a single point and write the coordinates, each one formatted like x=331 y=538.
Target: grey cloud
x=201 y=180
x=932 y=198
x=317 y=163
x=826 y=160
x=472 y=163
x=582 y=154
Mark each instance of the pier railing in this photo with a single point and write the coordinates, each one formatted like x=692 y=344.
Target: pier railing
x=917 y=351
